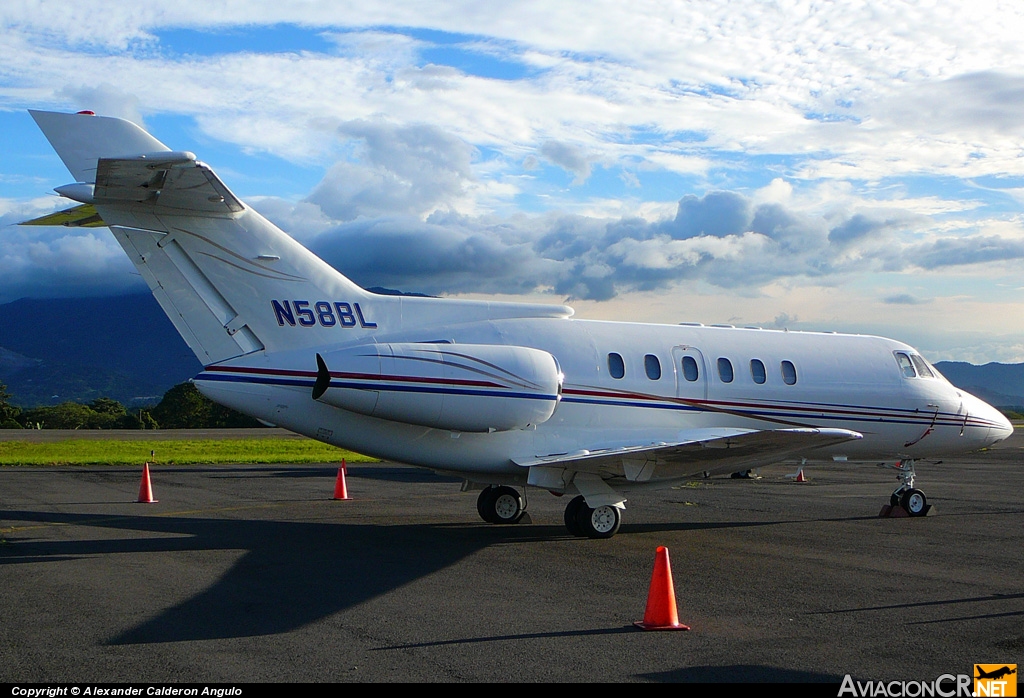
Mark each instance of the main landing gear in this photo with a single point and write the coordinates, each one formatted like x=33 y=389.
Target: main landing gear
x=906 y=496
x=500 y=505
x=582 y=521
x=504 y=505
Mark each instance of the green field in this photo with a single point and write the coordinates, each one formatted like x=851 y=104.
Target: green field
x=112 y=452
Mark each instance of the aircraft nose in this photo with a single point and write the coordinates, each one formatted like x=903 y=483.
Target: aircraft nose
x=1002 y=431
x=999 y=427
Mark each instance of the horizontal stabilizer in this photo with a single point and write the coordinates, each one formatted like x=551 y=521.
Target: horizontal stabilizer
x=715 y=451
x=173 y=183
x=84 y=216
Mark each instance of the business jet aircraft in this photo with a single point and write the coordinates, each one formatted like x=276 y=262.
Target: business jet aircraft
x=501 y=394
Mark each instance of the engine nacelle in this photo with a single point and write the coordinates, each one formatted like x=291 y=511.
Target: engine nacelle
x=459 y=387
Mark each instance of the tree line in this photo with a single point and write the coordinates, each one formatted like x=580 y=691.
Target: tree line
x=182 y=407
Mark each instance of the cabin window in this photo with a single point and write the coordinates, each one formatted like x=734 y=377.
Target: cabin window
x=653 y=367
x=788 y=373
x=922 y=366
x=690 y=371
x=616 y=367
x=906 y=365
x=725 y=370
x=757 y=371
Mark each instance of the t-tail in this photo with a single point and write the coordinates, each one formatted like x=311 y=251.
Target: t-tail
x=231 y=281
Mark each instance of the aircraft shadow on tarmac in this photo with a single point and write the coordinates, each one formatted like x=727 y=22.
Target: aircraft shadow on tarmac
x=293 y=573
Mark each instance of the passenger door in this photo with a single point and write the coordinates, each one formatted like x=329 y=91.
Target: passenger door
x=691 y=372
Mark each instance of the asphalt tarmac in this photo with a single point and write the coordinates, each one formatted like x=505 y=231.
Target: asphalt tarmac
x=253 y=573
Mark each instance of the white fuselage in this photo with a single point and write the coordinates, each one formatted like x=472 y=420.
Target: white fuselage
x=841 y=381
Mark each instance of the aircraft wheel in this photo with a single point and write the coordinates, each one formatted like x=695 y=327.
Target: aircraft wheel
x=914 y=502
x=894 y=499
x=500 y=505
x=602 y=522
x=485 y=504
x=572 y=515
x=506 y=507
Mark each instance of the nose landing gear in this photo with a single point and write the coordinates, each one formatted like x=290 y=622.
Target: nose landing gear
x=914 y=502
x=906 y=496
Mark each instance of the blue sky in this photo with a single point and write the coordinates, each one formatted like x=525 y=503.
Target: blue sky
x=848 y=167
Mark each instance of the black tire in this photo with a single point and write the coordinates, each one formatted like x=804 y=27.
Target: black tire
x=914 y=502
x=602 y=522
x=485 y=504
x=506 y=506
x=571 y=515
x=894 y=499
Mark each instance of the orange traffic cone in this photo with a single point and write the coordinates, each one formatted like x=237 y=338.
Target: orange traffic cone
x=800 y=477
x=146 y=488
x=661 y=598
x=340 y=488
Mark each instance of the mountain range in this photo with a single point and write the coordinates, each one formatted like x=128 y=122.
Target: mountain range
x=80 y=349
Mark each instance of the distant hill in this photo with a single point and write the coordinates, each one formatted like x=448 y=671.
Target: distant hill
x=1001 y=385
x=53 y=350
x=80 y=349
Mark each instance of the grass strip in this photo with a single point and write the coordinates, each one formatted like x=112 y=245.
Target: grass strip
x=206 y=451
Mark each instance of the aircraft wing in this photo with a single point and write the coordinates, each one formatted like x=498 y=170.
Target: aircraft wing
x=715 y=451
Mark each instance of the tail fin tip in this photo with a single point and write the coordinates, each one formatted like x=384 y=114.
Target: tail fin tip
x=82 y=139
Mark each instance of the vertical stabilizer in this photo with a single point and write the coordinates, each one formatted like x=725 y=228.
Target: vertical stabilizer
x=230 y=281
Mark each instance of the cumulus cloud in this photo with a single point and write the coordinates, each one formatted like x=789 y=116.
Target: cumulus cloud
x=398 y=169
x=749 y=245
x=447 y=255
x=590 y=258
x=569 y=157
x=718 y=214
x=863 y=226
x=782 y=321
x=54 y=262
x=792 y=230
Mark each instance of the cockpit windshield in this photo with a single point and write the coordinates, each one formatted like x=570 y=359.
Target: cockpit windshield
x=922 y=366
x=915 y=366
